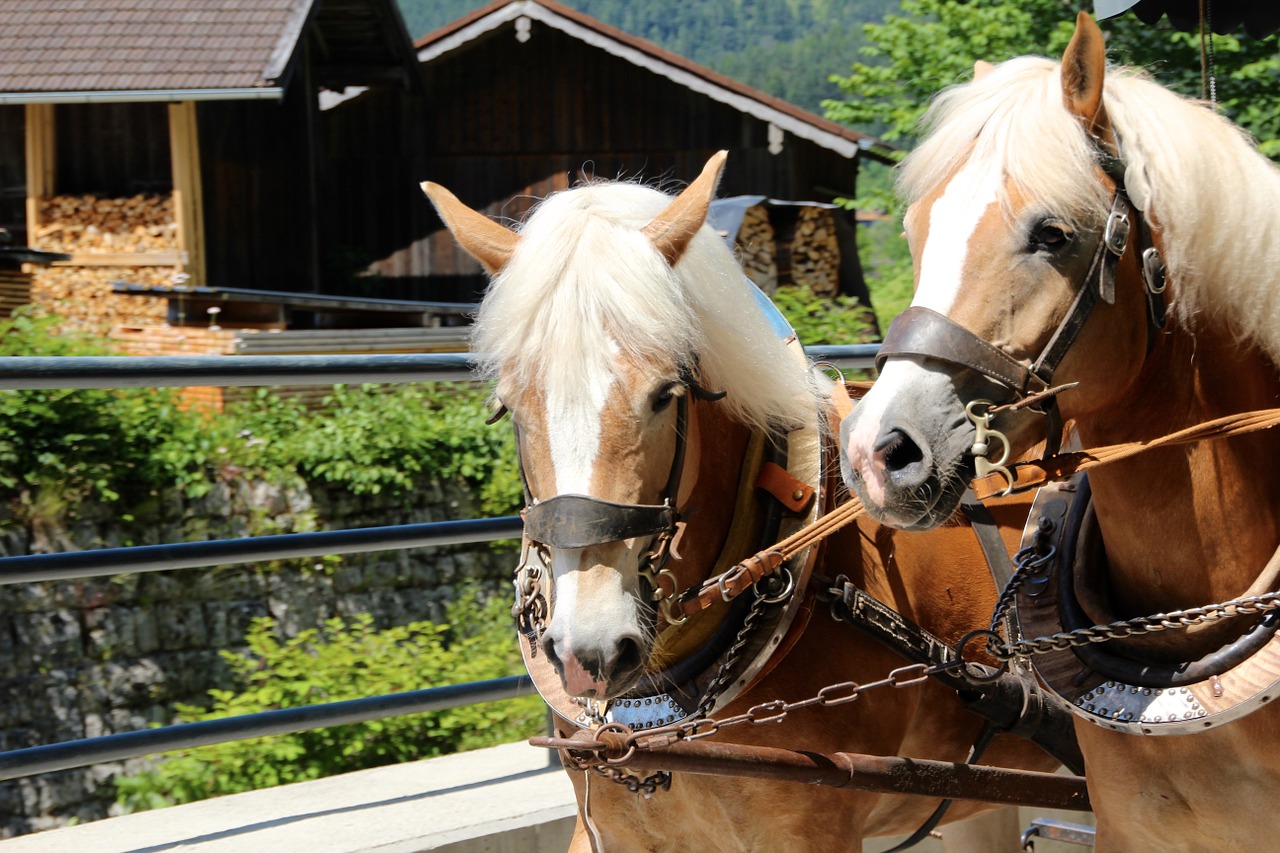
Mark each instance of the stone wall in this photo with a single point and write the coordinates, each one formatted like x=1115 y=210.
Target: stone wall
x=86 y=658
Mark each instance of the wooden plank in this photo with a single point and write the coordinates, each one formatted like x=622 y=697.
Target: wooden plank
x=41 y=150
x=126 y=259
x=188 y=201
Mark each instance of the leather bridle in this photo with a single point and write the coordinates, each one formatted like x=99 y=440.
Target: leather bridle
x=581 y=521
x=920 y=332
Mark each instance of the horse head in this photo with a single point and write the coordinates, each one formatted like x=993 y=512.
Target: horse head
x=1020 y=230
x=600 y=331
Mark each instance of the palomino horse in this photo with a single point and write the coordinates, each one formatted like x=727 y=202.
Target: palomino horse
x=1039 y=190
x=646 y=383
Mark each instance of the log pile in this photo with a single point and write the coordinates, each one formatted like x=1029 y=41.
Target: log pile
x=89 y=223
x=84 y=297
x=15 y=290
x=815 y=254
x=757 y=248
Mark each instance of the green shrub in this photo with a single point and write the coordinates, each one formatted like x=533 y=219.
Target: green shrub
x=61 y=447
x=822 y=320
x=348 y=659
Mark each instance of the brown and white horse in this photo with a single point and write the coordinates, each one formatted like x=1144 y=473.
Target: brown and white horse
x=614 y=321
x=1010 y=193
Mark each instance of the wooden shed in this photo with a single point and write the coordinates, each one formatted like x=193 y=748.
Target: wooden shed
x=190 y=142
x=528 y=96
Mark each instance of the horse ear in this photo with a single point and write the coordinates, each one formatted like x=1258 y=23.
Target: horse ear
x=982 y=68
x=1084 y=66
x=483 y=239
x=671 y=231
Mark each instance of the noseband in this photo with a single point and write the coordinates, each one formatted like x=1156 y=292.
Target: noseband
x=920 y=332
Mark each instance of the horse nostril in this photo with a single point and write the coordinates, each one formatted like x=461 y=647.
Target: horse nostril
x=898 y=450
x=630 y=657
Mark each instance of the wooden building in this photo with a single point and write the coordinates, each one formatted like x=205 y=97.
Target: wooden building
x=528 y=96
x=275 y=147
x=189 y=142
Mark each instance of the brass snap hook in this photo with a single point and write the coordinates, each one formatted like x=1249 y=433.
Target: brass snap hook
x=979 y=415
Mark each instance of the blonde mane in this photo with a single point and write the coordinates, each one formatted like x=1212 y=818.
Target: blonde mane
x=1197 y=178
x=585 y=285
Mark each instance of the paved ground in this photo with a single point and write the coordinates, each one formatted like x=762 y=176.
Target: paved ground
x=505 y=795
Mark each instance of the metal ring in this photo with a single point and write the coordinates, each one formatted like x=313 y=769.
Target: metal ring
x=787 y=589
x=970 y=671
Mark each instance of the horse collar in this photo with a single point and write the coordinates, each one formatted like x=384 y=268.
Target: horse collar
x=1106 y=688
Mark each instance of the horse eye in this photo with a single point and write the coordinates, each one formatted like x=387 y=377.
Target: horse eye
x=665 y=395
x=1049 y=237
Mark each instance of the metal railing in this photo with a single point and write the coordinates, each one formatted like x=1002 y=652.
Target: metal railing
x=19 y=373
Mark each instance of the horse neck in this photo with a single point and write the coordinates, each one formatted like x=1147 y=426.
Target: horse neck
x=709 y=487
x=1188 y=525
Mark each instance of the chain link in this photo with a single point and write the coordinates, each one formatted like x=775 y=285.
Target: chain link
x=1031 y=559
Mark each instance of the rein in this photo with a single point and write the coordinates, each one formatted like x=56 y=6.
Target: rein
x=1034 y=473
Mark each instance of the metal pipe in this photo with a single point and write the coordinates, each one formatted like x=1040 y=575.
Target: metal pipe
x=81 y=753
x=132 y=96
x=31 y=372
x=878 y=773
x=189 y=555
x=45 y=372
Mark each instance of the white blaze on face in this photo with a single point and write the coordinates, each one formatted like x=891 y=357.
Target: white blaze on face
x=573 y=428
x=953 y=219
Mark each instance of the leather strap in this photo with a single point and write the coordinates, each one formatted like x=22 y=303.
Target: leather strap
x=1011 y=702
x=581 y=521
x=920 y=332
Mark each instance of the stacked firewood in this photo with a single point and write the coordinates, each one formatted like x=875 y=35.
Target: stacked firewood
x=815 y=254
x=83 y=295
x=757 y=248
x=89 y=223
x=92 y=224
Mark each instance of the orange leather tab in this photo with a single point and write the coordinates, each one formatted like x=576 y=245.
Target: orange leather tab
x=794 y=494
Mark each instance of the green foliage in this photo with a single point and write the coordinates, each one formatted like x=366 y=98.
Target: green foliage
x=60 y=447
x=89 y=444
x=931 y=44
x=347 y=659
x=821 y=320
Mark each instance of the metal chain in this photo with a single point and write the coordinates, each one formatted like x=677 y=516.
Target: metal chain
x=775 y=711
x=1031 y=559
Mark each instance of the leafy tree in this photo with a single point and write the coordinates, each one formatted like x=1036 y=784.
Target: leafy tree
x=931 y=44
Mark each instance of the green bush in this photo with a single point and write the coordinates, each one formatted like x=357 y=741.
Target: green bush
x=348 y=659
x=822 y=320
x=61 y=447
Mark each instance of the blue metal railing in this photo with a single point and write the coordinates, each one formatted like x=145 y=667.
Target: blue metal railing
x=18 y=373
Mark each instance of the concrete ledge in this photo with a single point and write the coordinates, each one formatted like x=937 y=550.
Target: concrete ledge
x=500 y=799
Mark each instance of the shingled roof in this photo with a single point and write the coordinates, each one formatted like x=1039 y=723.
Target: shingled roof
x=209 y=48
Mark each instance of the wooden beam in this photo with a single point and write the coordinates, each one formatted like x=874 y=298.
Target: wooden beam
x=188 y=198
x=127 y=259
x=41 y=150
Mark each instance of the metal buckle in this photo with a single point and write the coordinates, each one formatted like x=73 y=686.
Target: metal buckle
x=1116 y=234
x=1153 y=271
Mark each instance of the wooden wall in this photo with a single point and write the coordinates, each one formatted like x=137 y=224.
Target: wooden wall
x=510 y=122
